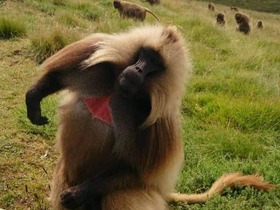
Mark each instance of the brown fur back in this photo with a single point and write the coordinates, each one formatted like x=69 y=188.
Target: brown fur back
x=243 y=22
x=159 y=157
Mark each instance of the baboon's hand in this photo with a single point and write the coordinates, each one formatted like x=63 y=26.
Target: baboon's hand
x=34 y=108
x=37 y=119
x=73 y=197
x=34 y=115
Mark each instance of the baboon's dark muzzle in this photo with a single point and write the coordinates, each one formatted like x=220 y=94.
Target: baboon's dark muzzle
x=131 y=79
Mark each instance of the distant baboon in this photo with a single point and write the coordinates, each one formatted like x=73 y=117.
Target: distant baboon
x=260 y=24
x=152 y=2
x=234 y=8
x=243 y=22
x=211 y=6
x=132 y=10
x=220 y=18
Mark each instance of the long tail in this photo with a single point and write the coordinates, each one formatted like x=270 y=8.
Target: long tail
x=149 y=11
x=227 y=180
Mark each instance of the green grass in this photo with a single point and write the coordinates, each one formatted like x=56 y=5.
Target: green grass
x=59 y=2
x=45 y=6
x=231 y=110
x=45 y=45
x=68 y=19
x=87 y=10
x=11 y=29
x=258 y=5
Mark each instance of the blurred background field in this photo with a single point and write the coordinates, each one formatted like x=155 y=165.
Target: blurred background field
x=231 y=109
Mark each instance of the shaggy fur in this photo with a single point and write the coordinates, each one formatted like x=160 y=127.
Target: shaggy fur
x=220 y=19
x=260 y=24
x=132 y=10
x=211 y=6
x=129 y=168
x=243 y=23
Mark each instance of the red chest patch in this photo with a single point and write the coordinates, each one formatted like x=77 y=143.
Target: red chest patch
x=99 y=107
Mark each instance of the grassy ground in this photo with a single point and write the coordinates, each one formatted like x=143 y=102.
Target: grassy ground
x=258 y=5
x=231 y=111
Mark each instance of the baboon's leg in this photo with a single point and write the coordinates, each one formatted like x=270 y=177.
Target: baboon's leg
x=140 y=199
x=58 y=185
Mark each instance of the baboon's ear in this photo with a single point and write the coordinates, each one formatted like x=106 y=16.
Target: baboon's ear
x=171 y=34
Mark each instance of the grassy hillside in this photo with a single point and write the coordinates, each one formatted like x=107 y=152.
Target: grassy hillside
x=231 y=109
x=258 y=5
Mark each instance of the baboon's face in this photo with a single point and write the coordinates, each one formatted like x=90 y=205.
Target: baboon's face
x=117 y=4
x=220 y=17
x=238 y=18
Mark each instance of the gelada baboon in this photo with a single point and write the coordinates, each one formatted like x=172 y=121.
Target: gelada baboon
x=211 y=6
x=260 y=24
x=220 y=19
x=243 y=23
x=119 y=134
x=152 y=2
x=132 y=10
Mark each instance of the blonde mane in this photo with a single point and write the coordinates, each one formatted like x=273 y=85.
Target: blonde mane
x=120 y=49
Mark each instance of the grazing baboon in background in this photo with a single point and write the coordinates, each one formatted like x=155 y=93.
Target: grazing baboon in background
x=132 y=10
x=220 y=18
x=243 y=23
x=152 y=2
x=119 y=132
x=211 y=6
x=234 y=8
x=260 y=24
